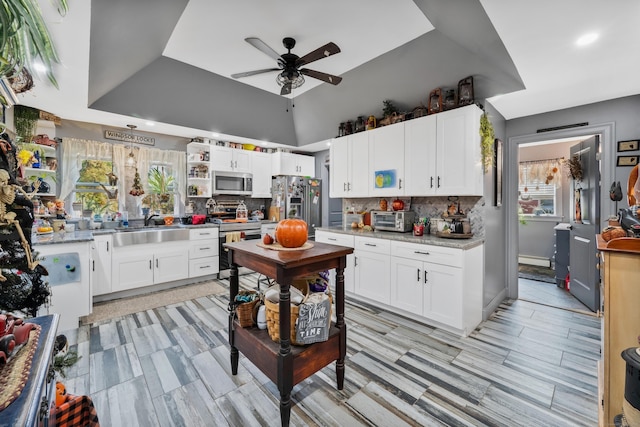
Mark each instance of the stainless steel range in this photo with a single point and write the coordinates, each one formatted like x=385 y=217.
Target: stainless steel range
x=249 y=230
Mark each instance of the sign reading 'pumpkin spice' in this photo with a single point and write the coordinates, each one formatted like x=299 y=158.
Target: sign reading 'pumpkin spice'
x=127 y=137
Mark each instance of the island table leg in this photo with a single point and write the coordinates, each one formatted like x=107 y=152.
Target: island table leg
x=233 y=291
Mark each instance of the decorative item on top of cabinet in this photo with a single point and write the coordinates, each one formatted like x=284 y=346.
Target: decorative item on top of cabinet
x=450 y=101
x=465 y=91
x=419 y=111
x=435 y=101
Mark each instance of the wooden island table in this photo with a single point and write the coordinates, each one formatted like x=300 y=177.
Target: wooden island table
x=282 y=363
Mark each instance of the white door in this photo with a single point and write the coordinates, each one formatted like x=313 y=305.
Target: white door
x=372 y=274
x=407 y=276
x=171 y=264
x=386 y=161
x=306 y=166
x=131 y=269
x=339 y=168
x=221 y=159
x=261 y=170
x=420 y=156
x=242 y=160
x=443 y=294
x=101 y=265
x=358 y=184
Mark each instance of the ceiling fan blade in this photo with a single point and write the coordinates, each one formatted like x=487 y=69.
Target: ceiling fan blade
x=322 y=52
x=263 y=47
x=253 y=73
x=286 y=89
x=334 y=80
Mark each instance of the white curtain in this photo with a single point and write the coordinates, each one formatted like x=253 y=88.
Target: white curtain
x=74 y=152
x=147 y=157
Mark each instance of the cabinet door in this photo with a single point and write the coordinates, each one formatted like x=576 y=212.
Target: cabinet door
x=340 y=240
x=261 y=170
x=339 y=167
x=171 y=263
x=221 y=158
x=306 y=165
x=131 y=268
x=242 y=160
x=101 y=249
x=443 y=294
x=407 y=284
x=458 y=147
x=372 y=274
x=358 y=163
x=386 y=161
x=420 y=156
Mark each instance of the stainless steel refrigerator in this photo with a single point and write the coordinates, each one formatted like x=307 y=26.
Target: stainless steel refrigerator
x=297 y=197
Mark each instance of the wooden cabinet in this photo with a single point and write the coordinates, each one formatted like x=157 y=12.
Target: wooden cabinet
x=198 y=170
x=372 y=269
x=293 y=164
x=143 y=265
x=438 y=283
x=230 y=159
x=349 y=171
x=421 y=176
x=620 y=269
x=386 y=161
x=458 y=161
x=261 y=169
x=340 y=240
x=101 y=249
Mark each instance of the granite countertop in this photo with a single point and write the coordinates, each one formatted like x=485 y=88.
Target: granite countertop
x=87 y=235
x=427 y=239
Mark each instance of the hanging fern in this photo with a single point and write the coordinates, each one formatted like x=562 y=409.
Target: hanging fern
x=487 y=137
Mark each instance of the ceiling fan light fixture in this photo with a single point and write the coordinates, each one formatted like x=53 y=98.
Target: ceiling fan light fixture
x=295 y=79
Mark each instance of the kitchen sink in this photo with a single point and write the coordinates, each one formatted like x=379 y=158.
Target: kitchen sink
x=141 y=236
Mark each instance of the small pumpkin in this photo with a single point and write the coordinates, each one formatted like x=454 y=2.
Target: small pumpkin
x=291 y=232
x=61 y=393
x=613 y=233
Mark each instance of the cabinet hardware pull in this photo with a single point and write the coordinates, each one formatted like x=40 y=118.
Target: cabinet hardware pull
x=204 y=266
x=231 y=164
x=344 y=186
x=370 y=244
x=431 y=182
x=150 y=265
x=418 y=274
x=333 y=239
x=348 y=186
x=425 y=276
x=107 y=246
x=355 y=261
x=421 y=253
x=93 y=265
x=156 y=263
x=400 y=183
x=204 y=249
x=438 y=182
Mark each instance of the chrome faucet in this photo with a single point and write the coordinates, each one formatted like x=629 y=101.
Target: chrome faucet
x=147 y=219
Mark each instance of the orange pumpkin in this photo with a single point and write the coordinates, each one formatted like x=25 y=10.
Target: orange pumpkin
x=291 y=233
x=61 y=393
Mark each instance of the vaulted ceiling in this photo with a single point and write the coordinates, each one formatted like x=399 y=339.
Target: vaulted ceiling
x=170 y=61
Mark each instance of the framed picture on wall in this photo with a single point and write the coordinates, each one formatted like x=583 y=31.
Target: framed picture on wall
x=627 y=160
x=497 y=169
x=627 y=145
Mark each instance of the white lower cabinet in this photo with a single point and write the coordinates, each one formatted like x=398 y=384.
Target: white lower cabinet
x=204 y=254
x=101 y=249
x=340 y=240
x=143 y=265
x=372 y=269
x=441 y=284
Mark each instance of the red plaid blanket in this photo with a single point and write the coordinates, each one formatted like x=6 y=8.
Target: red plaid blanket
x=77 y=411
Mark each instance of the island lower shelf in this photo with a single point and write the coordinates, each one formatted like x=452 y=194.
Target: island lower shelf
x=257 y=346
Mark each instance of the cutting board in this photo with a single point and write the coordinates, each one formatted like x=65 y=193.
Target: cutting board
x=274 y=213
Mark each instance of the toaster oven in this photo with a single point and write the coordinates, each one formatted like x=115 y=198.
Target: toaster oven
x=400 y=221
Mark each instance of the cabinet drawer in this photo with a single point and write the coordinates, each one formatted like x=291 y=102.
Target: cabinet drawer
x=203 y=266
x=335 y=239
x=203 y=233
x=369 y=244
x=428 y=253
x=203 y=248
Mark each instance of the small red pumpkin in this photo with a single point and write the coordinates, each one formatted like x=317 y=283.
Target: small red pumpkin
x=291 y=233
x=397 y=205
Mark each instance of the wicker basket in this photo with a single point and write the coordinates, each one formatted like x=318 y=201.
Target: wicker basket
x=273 y=311
x=244 y=311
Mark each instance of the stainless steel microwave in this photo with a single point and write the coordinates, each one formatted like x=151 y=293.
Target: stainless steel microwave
x=400 y=221
x=233 y=183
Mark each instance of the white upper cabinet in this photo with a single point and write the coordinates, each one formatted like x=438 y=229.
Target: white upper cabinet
x=386 y=161
x=293 y=164
x=420 y=156
x=230 y=159
x=459 y=164
x=261 y=171
x=349 y=170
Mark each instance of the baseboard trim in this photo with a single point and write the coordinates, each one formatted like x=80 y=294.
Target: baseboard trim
x=494 y=304
x=534 y=260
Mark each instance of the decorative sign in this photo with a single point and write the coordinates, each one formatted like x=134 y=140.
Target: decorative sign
x=627 y=160
x=117 y=135
x=628 y=145
x=385 y=179
x=314 y=317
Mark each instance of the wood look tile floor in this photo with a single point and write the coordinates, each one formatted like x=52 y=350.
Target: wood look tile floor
x=528 y=365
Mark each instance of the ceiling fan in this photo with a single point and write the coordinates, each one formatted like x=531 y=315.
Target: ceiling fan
x=291 y=75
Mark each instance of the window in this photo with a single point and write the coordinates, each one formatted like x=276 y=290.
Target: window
x=92 y=189
x=538 y=187
x=162 y=187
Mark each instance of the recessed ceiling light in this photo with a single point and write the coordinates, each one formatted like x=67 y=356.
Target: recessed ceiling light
x=150 y=124
x=215 y=134
x=587 y=39
x=328 y=144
